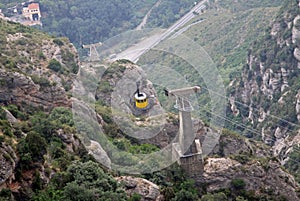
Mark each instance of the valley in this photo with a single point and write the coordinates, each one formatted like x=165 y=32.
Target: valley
x=71 y=127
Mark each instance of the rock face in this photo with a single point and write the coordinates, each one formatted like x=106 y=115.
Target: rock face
x=257 y=177
x=8 y=160
x=148 y=190
x=266 y=96
x=19 y=89
x=249 y=162
x=35 y=69
x=99 y=154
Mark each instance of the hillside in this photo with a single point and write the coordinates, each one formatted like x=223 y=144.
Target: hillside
x=226 y=31
x=266 y=96
x=41 y=155
x=44 y=158
x=91 y=21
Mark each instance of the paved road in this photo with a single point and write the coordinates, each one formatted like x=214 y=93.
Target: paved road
x=135 y=52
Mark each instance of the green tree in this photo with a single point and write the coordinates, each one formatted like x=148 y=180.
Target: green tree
x=75 y=192
x=55 y=65
x=31 y=149
x=5 y=194
x=238 y=184
x=90 y=182
x=62 y=116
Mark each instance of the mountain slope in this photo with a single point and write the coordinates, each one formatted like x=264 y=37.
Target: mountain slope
x=266 y=97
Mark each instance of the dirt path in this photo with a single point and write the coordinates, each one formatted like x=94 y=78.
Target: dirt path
x=143 y=23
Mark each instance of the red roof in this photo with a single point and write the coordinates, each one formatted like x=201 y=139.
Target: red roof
x=33 y=6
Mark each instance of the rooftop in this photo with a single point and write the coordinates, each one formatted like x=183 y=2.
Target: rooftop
x=33 y=6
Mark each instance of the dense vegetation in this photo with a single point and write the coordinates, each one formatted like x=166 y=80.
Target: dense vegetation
x=82 y=181
x=5 y=4
x=168 y=12
x=91 y=21
x=85 y=22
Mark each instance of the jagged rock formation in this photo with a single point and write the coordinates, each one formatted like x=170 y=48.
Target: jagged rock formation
x=8 y=161
x=36 y=70
x=250 y=162
x=258 y=178
x=19 y=89
x=148 y=190
x=266 y=96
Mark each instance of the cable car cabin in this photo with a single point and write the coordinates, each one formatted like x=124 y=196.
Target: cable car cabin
x=141 y=100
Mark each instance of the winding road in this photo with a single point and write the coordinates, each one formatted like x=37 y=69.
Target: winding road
x=133 y=53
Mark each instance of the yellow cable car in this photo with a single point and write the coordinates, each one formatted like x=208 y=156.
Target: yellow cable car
x=141 y=100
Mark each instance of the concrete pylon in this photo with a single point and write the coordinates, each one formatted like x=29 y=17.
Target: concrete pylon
x=93 y=54
x=188 y=149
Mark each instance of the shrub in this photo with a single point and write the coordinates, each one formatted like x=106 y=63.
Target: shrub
x=21 y=41
x=2 y=138
x=135 y=197
x=238 y=184
x=37 y=183
x=5 y=194
x=31 y=149
x=168 y=193
x=2 y=114
x=41 y=55
x=43 y=82
x=89 y=182
x=55 y=65
x=58 y=42
x=184 y=195
x=13 y=109
x=214 y=197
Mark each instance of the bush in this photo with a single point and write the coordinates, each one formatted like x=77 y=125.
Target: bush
x=41 y=55
x=2 y=114
x=62 y=116
x=43 y=82
x=5 y=194
x=238 y=184
x=58 y=42
x=55 y=65
x=184 y=195
x=31 y=149
x=214 y=197
x=168 y=193
x=89 y=182
x=2 y=138
x=13 y=109
x=135 y=197
x=37 y=183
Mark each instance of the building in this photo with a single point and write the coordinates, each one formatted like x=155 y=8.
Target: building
x=31 y=11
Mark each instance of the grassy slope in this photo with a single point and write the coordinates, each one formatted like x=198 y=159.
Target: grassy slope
x=226 y=36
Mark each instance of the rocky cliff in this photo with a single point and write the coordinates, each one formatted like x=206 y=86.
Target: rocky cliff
x=245 y=164
x=266 y=97
x=36 y=70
